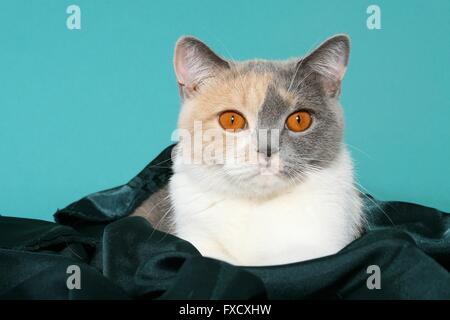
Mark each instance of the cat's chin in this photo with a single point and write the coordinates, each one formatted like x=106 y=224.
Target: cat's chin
x=258 y=186
x=252 y=184
x=264 y=186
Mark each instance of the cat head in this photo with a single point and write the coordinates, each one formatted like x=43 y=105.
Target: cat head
x=258 y=127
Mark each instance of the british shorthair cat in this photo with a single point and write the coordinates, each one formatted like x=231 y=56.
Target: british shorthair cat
x=270 y=180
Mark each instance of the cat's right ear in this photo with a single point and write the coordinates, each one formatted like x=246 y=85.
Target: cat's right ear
x=195 y=63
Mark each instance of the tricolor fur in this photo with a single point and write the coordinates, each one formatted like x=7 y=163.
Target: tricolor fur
x=243 y=212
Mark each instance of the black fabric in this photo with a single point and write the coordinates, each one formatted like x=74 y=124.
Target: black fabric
x=123 y=257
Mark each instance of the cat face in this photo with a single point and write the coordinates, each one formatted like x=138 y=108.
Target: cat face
x=258 y=127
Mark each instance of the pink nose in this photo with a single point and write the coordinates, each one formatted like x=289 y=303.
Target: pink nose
x=263 y=159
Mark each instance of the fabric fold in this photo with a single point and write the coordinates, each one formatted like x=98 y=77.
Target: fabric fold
x=122 y=257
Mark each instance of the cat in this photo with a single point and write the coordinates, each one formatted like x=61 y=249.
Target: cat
x=297 y=201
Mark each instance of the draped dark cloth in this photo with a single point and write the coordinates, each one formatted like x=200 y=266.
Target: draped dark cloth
x=123 y=257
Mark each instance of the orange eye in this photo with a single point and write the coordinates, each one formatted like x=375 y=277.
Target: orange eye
x=299 y=121
x=231 y=120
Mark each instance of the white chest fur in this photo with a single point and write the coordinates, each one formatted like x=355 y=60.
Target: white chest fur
x=316 y=218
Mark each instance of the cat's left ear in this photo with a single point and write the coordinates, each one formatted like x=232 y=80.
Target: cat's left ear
x=194 y=64
x=330 y=61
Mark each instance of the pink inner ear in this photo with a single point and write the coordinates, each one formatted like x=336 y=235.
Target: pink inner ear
x=180 y=71
x=341 y=72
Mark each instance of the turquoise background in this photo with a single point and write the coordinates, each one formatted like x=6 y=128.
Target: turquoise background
x=84 y=110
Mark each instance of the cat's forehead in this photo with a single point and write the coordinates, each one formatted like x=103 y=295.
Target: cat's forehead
x=280 y=73
x=263 y=91
x=267 y=89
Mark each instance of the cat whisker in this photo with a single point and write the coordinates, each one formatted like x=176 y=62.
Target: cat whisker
x=359 y=150
x=157 y=164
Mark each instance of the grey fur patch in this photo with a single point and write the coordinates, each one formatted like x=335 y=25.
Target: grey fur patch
x=319 y=145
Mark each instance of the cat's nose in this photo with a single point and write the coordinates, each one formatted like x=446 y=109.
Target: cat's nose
x=267 y=142
x=267 y=150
